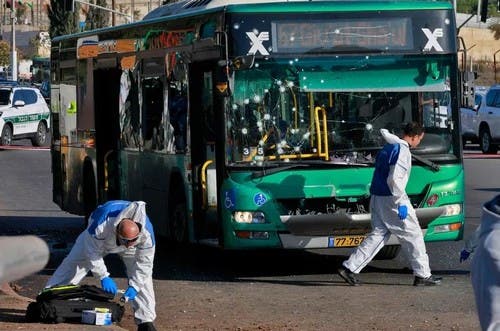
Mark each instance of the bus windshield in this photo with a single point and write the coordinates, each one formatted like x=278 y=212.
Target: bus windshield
x=293 y=109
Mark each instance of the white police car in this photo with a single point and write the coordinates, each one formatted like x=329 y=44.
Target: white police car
x=23 y=114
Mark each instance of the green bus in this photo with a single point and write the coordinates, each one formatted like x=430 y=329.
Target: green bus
x=249 y=124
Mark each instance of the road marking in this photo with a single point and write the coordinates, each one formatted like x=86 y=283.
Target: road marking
x=24 y=148
x=481 y=156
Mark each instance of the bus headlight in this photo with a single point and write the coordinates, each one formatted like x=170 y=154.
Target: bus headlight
x=452 y=210
x=249 y=217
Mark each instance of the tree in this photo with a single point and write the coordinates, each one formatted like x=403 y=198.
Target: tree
x=495 y=28
x=61 y=22
x=97 y=17
x=470 y=7
x=4 y=53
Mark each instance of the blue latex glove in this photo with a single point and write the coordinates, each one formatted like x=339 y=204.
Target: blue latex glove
x=402 y=212
x=464 y=255
x=130 y=293
x=109 y=285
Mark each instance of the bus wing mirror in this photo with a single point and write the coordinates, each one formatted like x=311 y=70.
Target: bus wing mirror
x=239 y=63
x=243 y=62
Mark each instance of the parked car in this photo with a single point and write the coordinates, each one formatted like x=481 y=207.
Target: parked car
x=23 y=114
x=468 y=119
x=482 y=123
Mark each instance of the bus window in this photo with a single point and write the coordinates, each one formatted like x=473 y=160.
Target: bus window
x=152 y=114
x=178 y=112
x=178 y=105
x=129 y=111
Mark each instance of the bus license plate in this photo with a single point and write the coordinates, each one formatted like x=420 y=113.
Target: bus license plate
x=345 y=241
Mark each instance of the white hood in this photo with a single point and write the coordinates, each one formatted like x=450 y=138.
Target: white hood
x=135 y=211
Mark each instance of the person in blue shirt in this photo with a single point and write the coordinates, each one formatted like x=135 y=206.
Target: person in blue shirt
x=123 y=228
x=392 y=211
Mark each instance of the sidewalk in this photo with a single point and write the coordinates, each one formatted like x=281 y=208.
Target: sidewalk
x=13 y=310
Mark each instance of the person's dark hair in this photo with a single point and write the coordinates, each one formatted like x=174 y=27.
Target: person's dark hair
x=413 y=129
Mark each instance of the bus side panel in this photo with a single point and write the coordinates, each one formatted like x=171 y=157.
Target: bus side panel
x=155 y=177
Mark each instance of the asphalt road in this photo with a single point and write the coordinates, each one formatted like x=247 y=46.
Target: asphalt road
x=203 y=289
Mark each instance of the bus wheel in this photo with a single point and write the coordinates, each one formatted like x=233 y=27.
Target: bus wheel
x=178 y=222
x=40 y=138
x=388 y=252
x=89 y=194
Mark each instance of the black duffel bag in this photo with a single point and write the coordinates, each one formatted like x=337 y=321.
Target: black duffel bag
x=65 y=304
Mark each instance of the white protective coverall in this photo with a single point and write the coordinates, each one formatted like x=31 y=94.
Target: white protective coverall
x=485 y=269
x=100 y=239
x=392 y=171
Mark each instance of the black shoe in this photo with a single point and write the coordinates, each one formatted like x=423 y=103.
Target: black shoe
x=429 y=281
x=348 y=276
x=147 y=326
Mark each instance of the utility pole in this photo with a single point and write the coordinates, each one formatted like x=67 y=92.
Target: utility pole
x=13 y=60
x=113 y=15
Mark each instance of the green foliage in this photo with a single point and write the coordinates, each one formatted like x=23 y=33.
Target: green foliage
x=97 y=18
x=470 y=7
x=61 y=21
x=467 y=6
x=4 y=53
x=495 y=28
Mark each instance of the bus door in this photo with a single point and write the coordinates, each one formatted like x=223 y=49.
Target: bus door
x=107 y=126
x=203 y=117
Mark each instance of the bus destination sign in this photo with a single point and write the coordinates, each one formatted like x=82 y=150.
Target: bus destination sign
x=389 y=33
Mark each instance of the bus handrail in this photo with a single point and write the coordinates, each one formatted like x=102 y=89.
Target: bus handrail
x=324 y=139
x=203 y=174
x=106 y=179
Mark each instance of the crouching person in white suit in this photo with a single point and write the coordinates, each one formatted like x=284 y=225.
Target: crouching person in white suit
x=120 y=227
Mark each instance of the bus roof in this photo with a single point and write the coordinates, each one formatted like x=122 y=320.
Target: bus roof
x=188 y=8
x=292 y=5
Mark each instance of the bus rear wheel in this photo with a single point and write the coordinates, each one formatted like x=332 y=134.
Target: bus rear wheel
x=178 y=222
x=89 y=194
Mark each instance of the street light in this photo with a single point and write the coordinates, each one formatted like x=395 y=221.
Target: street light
x=13 y=59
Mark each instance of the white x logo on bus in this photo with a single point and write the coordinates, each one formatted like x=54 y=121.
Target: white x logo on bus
x=256 y=42
x=432 y=39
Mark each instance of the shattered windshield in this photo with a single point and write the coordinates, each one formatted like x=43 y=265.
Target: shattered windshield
x=332 y=109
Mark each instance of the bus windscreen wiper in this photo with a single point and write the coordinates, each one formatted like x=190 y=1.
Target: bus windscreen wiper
x=434 y=166
x=267 y=172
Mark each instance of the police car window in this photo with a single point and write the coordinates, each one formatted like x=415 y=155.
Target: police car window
x=4 y=97
x=18 y=95
x=30 y=97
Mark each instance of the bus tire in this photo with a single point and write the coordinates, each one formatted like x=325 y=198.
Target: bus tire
x=178 y=220
x=89 y=193
x=40 y=137
x=388 y=252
